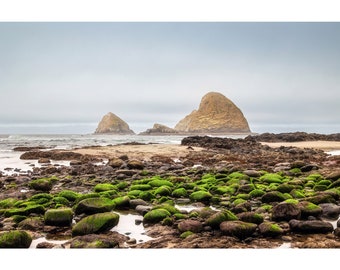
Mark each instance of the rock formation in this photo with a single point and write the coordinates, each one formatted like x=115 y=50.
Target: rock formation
x=216 y=114
x=159 y=129
x=112 y=124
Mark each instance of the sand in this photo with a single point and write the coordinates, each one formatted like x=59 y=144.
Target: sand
x=176 y=151
x=141 y=152
x=322 y=145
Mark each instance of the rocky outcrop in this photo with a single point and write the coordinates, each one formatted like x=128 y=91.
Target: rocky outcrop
x=159 y=129
x=112 y=124
x=216 y=114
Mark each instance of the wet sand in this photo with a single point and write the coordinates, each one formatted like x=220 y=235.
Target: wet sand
x=141 y=152
x=322 y=145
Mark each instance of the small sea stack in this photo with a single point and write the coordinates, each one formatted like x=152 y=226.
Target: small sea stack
x=112 y=124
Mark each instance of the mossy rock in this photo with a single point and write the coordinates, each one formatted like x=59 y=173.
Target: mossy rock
x=318 y=187
x=69 y=195
x=270 y=229
x=273 y=196
x=94 y=205
x=109 y=193
x=104 y=187
x=256 y=193
x=251 y=217
x=96 y=223
x=285 y=188
x=61 y=201
x=237 y=175
x=7 y=203
x=200 y=196
x=160 y=182
x=32 y=224
x=315 y=177
x=59 y=217
x=18 y=218
x=178 y=216
x=238 y=228
x=297 y=194
x=309 y=209
x=87 y=196
x=221 y=190
x=122 y=185
x=286 y=211
x=216 y=219
x=163 y=191
x=172 y=209
x=179 y=193
x=156 y=215
x=15 y=239
x=295 y=171
x=30 y=209
x=146 y=196
x=93 y=241
x=43 y=184
x=186 y=234
x=335 y=184
x=122 y=202
x=321 y=198
x=271 y=178
x=134 y=194
x=41 y=198
x=141 y=187
x=239 y=201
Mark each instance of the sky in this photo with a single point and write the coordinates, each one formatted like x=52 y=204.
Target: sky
x=63 y=77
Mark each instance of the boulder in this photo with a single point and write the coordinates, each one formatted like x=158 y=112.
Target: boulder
x=190 y=225
x=216 y=114
x=15 y=239
x=310 y=226
x=112 y=124
x=238 y=228
x=286 y=211
x=95 y=223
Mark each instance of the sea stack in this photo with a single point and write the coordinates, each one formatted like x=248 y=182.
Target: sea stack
x=216 y=114
x=112 y=124
x=159 y=129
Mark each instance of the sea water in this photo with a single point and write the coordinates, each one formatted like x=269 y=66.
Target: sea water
x=10 y=161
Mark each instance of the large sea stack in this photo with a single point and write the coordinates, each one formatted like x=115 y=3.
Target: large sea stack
x=112 y=124
x=216 y=114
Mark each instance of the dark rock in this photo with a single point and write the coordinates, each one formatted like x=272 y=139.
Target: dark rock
x=310 y=226
x=285 y=211
x=238 y=229
x=270 y=229
x=190 y=225
x=330 y=210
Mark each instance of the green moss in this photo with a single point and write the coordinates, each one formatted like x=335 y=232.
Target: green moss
x=104 y=187
x=256 y=193
x=141 y=187
x=163 y=191
x=315 y=177
x=61 y=200
x=110 y=194
x=87 y=196
x=146 y=196
x=200 y=196
x=179 y=216
x=121 y=202
x=186 y=234
x=42 y=184
x=122 y=185
x=170 y=208
x=156 y=215
x=134 y=193
x=15 y=239
x=243 y=196
x=167 y=221
x=237 y=175
x=239 y=201
x=297 y=194
x=95 y=223
x=180 y=193
x=319 y=187
x=69 y=195
x=94 y=205
x=216 y=219
x=271 y=178
x=295 y=171
x=8 y=203
x=292 y=201
x=224 y=190
x=59 y=217
x=160 y=182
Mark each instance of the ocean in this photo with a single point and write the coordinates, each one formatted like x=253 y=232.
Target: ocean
x=11 y=163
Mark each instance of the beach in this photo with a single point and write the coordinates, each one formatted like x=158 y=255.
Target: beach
x=172 y=192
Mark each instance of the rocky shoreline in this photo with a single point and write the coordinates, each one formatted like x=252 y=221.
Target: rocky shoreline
x=245 y=194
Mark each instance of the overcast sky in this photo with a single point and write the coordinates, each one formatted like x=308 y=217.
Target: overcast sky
x=283 y=76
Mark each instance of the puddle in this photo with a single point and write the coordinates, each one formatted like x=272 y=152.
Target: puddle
x=35 y=242
x=131 y=225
